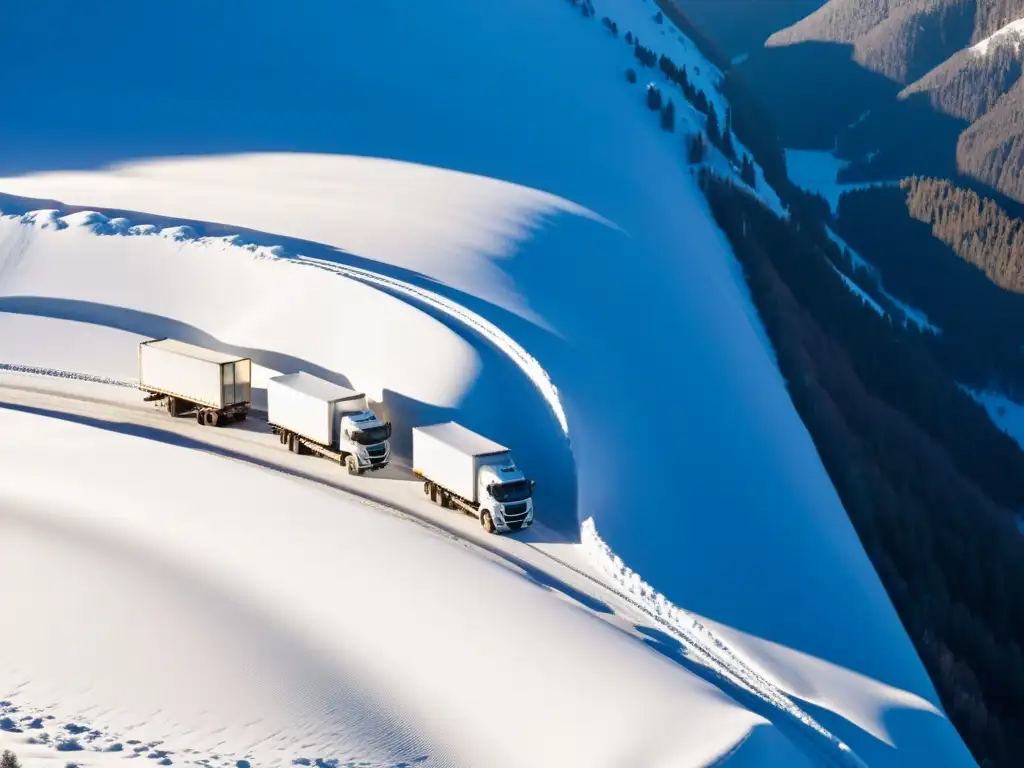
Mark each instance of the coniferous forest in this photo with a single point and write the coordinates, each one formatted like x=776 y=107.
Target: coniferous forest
x=960 y=259
x=928 y=481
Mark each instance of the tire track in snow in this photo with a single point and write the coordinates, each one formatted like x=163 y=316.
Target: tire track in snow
x=627 y=585
x=59 y=374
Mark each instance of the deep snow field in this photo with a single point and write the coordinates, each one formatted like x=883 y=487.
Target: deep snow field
x=463 y=209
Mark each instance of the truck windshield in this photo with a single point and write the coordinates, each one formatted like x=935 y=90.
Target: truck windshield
x=518 y=490
x=372 y=435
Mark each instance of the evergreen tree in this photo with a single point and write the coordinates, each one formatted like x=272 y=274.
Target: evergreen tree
x=714 y=136
x=631 y=75
x=629 y=38
x=695 y=150
x=658 y=18
x=653 y=97
x=748 y=173
x=727 y=145
x=668 y=117
x=9 y=760
x=700 y=101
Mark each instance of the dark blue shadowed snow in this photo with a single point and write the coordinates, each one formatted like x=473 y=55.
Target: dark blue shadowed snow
x=689 y=455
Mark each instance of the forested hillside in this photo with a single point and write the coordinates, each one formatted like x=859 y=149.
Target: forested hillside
x=991 y=150
x=970 y=84
x=931 y=484
x=926 y=477
x=946 y=100
x=977 y=228
x=900 y=39
x=929 y=254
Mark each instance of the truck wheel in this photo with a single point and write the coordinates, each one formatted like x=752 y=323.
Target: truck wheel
x=486 y=522
x=213 y=418
x=200 y=418
x=351 y=465
x=426 y=488
x=172 y=406
x=444 y=499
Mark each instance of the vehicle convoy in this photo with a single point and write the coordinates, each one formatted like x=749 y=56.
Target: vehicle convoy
x=467 y=471
x=312 y=415
x=214 y=386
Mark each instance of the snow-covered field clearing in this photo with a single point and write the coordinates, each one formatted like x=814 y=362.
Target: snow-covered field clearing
x=817 y=172
x=493 y=155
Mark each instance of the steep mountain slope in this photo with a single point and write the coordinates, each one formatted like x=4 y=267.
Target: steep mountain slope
x=902 y=39
x=960 y=62
x=991 y=150
x=971 y=83
x=494 y=155
x=743 y=25
x=258 y=578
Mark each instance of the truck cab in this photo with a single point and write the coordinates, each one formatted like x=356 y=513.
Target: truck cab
x=504 y=491
x=366 y=438
x=467 y=471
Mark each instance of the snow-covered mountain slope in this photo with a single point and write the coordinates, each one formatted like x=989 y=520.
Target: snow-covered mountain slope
x=1012 y=33
x=494 y=155
x=297 y=623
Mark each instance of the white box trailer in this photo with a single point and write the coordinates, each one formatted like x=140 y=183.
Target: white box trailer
x=215 y=386
x=464 y=470
x=311 y=414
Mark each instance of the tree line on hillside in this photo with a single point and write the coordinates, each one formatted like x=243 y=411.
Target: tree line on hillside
x=969 y=87
x=721 y=136
x=934 y=244
x=977 y=229
x=925 y=476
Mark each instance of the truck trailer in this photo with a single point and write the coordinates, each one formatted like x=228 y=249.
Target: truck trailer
x=466 y=471
x=214 y=386
x=311 y=415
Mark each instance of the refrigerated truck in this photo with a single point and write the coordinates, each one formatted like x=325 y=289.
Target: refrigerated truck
x=466 y=471
x=312 y=415
x=214 y=386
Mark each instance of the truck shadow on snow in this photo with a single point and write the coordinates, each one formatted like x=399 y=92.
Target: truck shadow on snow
x=157 y=326
x=533 y=574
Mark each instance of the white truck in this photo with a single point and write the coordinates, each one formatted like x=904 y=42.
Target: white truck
x=311 y=415
x=466 y=471
x=214 y=386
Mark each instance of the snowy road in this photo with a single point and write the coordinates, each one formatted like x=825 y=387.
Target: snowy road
x=543 y=556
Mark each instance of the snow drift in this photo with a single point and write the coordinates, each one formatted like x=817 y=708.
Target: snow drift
x=247 y=615
x=493 y=153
